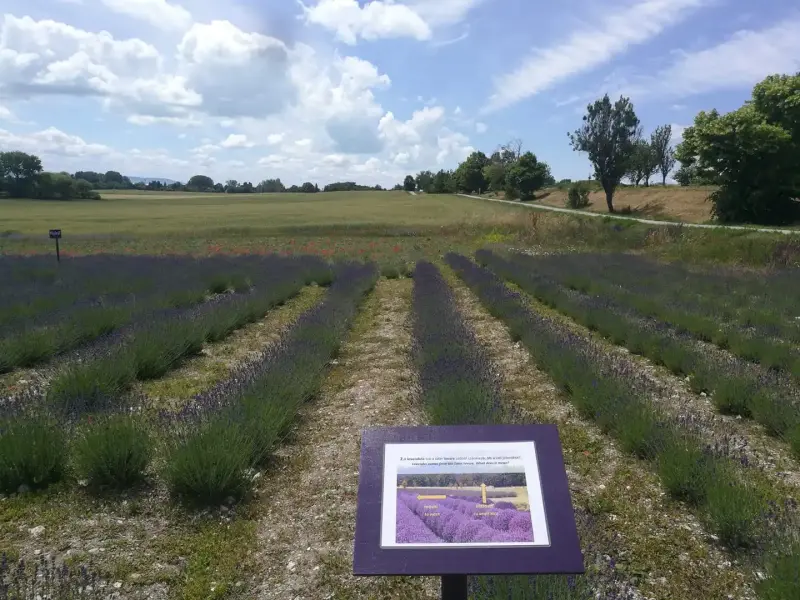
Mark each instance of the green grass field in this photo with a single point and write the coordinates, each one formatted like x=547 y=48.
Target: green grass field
x=148 y=213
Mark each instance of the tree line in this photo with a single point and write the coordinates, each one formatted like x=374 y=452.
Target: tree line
x=519 y=175
x=22 y=176
x=751 y=156
x=462 y=479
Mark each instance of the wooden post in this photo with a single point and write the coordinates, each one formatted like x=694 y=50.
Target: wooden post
x=454 y=587
x=58 y=254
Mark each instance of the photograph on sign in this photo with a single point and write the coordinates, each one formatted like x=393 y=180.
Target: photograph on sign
x=462 y=495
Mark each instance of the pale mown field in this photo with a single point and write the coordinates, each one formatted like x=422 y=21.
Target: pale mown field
x=152 y=213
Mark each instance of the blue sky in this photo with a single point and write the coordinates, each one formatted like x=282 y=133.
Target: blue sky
x=328 y=90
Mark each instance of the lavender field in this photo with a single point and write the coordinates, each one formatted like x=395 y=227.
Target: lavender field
x=460 y=520
x=176 y=427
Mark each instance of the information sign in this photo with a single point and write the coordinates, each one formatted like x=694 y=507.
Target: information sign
x=464 y=500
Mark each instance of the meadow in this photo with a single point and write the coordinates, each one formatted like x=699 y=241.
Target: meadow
x=181 y=397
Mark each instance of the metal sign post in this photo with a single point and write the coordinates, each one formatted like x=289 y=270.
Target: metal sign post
x=55 y=234
x=454 y=587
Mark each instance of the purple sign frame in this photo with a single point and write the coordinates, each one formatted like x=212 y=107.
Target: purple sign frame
x=561 y=556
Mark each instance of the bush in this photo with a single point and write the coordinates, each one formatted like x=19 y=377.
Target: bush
x=777 y=415
x=793 y=437
x=686 y=471
x=32 y=451
x=578 y=196
x=733 y=510
x=113 y=452
x=732 y=395
x=207 y=465
x=92 y=385
x=783 y=580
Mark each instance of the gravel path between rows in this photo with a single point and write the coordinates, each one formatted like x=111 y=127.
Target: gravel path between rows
x=306 y=533
x=627 y=523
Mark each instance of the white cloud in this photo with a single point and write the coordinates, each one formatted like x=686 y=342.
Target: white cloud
x=739 y=62
x=236 y=73
x=374 y=20
x=443 y=12
x=158 y=13
x=46 y=57
x=6 y=114
x=236 y=140
x=453 y=147
x=51 y=141
x=589 y=47
x=481 y=127
x=451 y=41
x=316 y=110
x=413 y=131
x=205 y=149
x=187 y=121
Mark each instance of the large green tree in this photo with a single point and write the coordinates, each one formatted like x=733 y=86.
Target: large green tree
x=200 y=183
x=641 y=164
x=18 y=173
x=752 y=153
x=526 y=176
x=469 y=175
x=663 y=154
x=409 y=184
x=495 y=175
x=608 y=135
x=424 y=181
x=443 y=183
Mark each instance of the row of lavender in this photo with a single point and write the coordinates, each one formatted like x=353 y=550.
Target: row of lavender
x=112 y=446
x=758 y=323
x=666 y=336
x=458 y=385
x=460 y=521
x=740 y=509
x=765 y=302
x=456 y=380
x=94 y=296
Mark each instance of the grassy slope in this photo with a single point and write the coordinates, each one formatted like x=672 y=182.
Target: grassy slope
x=671 y=203
x=154 y=212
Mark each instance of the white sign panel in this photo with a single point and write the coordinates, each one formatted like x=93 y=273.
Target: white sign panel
x=462 y=495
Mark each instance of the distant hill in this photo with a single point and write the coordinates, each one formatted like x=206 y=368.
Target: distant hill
x=147 y=180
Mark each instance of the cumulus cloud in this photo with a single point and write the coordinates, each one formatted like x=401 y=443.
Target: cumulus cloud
x=46 y=57
x=237 y=73
x=374 y=20
x=236 y=140
x=318 y=112
x=52 y=141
